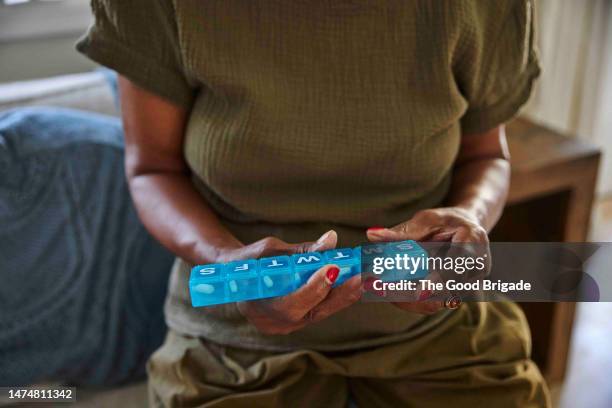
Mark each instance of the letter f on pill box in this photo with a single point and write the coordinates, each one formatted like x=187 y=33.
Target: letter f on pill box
x=242 y=280
x=207 y=285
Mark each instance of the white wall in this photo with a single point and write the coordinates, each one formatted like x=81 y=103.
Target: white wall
x=602 y=121
x=37 y=39
x=574 y=93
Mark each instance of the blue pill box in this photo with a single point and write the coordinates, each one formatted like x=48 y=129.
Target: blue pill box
x=280 y=275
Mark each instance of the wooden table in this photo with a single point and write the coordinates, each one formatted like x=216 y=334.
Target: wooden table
x=551 y=198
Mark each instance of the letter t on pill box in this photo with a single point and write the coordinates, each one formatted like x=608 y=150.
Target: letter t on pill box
x=347 y=259
x=276 y=276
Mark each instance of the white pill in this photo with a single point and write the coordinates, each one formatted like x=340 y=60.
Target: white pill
x=268 y=281
x=205 y=288
x=233 y=286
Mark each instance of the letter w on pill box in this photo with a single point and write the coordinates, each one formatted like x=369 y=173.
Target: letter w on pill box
x=305 y=265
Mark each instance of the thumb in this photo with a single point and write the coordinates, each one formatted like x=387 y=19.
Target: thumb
x=327 y=241
x=381 y=234
x=314 y=291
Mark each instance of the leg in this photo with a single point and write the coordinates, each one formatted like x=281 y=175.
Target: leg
x=191 y=372
x=479 y=357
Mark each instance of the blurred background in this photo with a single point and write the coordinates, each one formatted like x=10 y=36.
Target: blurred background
x=561 y=147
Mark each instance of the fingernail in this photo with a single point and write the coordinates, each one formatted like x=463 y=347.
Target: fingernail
x=368 y=286
x=424 y=295
x=372 y=229
x=324 y=237
x=332 y=275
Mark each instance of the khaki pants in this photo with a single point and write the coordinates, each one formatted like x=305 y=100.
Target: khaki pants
x=478 y=357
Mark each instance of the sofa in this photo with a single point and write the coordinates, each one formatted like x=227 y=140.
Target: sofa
x=91 y=92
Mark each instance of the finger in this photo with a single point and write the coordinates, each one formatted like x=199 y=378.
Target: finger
x=472 y=243
x=426 y=307
x=382 y=235
x=266 y=318
x=428 y=301
x=443 y=236
x=368 y=286
x=431 y=292
x=476 y=235
x=329 y=240
x=296 y=305
x=272 y=246
x=269 y=246
x=339 y=298
x=408 y=230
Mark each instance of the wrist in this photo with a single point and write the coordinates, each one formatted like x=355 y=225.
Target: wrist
x=472 y=211
x=217 y=250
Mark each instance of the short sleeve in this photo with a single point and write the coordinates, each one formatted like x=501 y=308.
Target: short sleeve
x=498 y=64
x=139 y=40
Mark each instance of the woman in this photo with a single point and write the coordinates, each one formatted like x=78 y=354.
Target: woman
x=258 y=128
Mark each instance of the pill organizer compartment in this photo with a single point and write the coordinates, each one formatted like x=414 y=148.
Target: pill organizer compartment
x=304 y=265
x=413 y=250
x=368 y=254
x=276 y=276
x=242 y=280
x=207 y=285
x=347 y=260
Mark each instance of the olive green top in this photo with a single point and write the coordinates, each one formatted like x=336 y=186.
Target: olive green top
x=310 y=115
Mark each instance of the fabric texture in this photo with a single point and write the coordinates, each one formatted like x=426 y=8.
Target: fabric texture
x=306 y=116
x=83 y=283
x=477 y=358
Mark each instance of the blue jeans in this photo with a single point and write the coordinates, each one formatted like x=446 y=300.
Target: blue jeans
x=82 y=283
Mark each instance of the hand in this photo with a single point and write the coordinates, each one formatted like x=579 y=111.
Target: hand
x=312 y=302
x=451 y=224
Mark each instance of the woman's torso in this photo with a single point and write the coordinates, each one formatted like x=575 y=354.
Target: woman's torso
x=315 y=115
